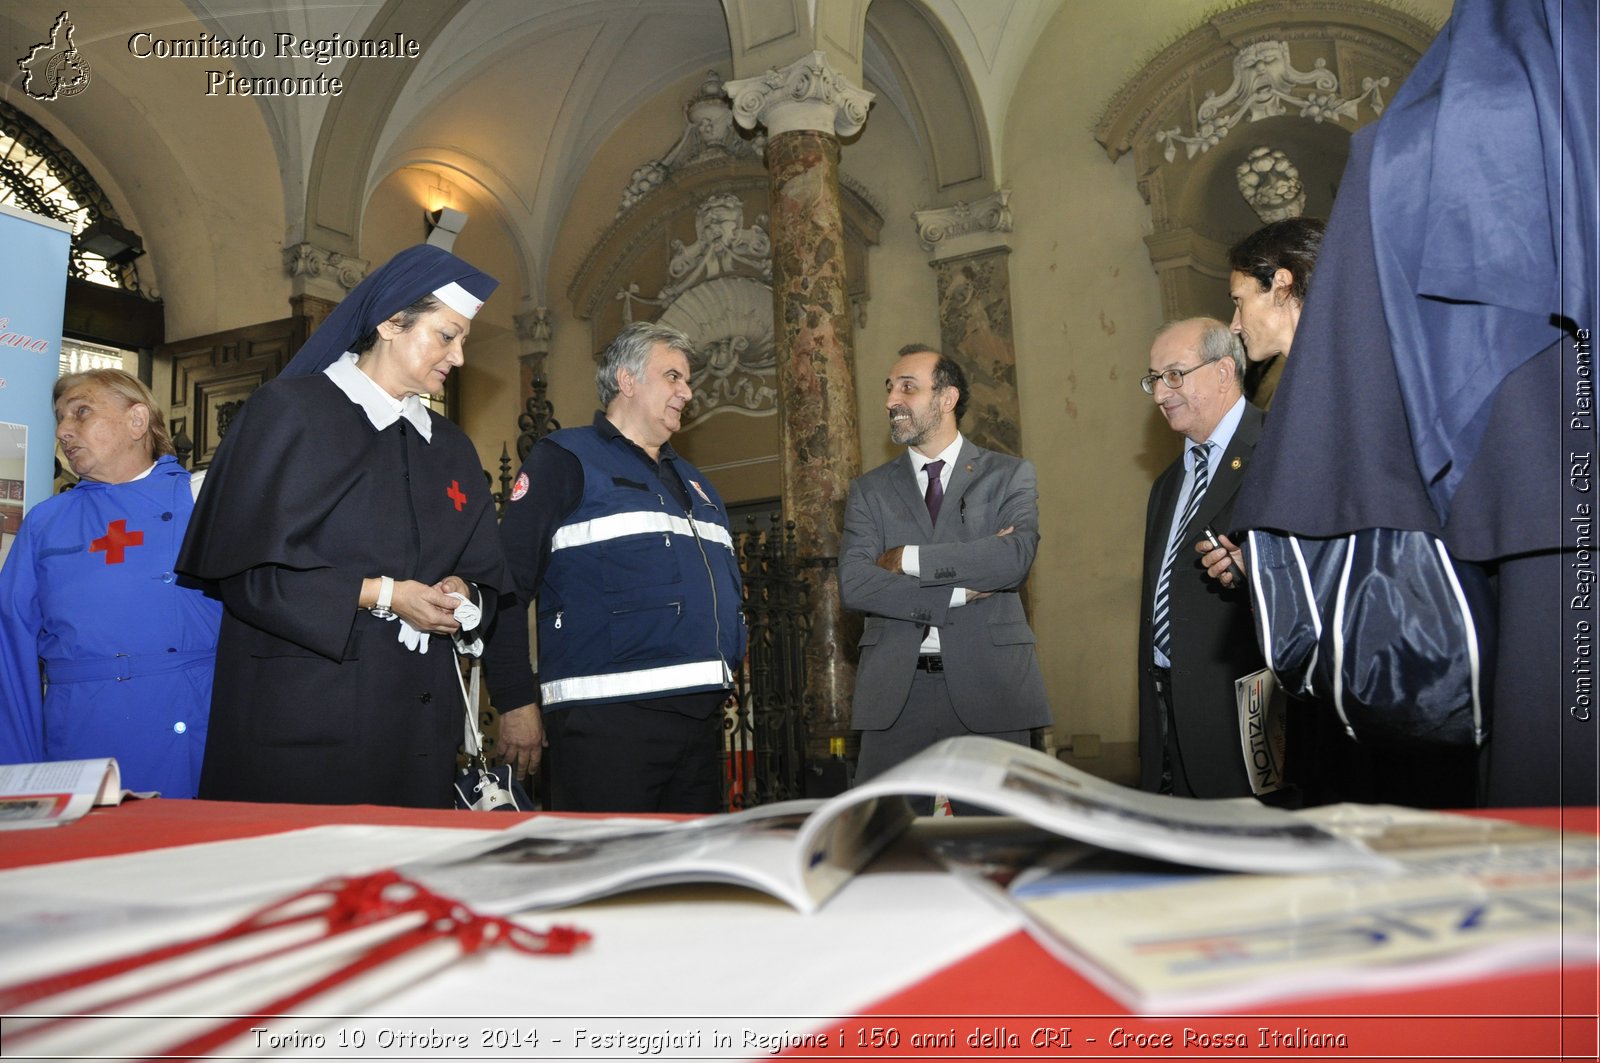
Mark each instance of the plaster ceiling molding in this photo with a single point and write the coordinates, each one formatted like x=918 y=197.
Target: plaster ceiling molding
x=709 y=131
x=735 y=368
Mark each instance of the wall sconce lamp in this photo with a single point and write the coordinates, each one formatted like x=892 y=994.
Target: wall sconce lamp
x=111 y=241
x=443 y=226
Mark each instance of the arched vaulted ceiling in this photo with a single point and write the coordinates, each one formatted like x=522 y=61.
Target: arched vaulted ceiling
x=511 y=99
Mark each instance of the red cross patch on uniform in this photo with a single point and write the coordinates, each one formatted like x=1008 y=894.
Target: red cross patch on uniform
x=116 y=539
x=456 y=495
x=519 y=488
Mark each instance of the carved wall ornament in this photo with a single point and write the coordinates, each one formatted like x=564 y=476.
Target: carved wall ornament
x=1235 y=71
x=709 y=132
x=309 y=260
x=724 y=243
x=735 y=365
x=1265 y=83
x=1271 y=184
x=991 y=214
x=533 y=329
x=806 y=94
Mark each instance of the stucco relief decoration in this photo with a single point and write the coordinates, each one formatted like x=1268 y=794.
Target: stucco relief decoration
x=735 y=369
x=309 y=260
x=710 y=132
x=534 y=331
x=1266 y=85
x=1271 y=184
x=992 y=214
x=720 y=295
x=724 y=243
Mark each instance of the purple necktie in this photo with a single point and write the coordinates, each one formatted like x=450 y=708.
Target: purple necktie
x=935 y=493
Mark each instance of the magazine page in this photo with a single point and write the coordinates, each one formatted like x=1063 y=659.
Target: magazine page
x=1472 y=897
x=1012 y=780
x=56 y=792
x=547 y=863
x=1263 y=728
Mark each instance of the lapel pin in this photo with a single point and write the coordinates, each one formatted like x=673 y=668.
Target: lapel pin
x=1238 y=463
x=969 y=466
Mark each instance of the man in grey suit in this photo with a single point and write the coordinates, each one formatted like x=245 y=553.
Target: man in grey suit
x=1195 y=635
x=937 y=544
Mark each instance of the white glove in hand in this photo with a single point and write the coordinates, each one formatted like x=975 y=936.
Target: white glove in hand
x=468 y=616
x=412 y=638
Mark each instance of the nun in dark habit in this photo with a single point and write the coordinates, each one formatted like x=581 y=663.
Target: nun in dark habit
x=345 y=524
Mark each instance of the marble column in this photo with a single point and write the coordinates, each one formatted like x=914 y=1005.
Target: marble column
x=971 y=266
x=806 y=107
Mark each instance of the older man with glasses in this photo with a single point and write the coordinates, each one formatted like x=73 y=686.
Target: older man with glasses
x=1195 y=636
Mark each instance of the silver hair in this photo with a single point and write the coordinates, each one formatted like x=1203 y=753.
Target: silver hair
x=631 y=351
x=1217 y=342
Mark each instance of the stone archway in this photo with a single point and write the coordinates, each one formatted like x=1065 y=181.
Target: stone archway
x=1292 y=78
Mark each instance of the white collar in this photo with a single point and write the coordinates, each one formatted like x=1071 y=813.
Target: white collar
x=948 y=455
x=381 y=408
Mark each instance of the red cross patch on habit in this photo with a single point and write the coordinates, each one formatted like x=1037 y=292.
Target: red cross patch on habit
x=115 y=540
x=456 y=495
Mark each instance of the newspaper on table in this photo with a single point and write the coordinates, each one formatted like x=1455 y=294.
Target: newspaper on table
x=802 y=852
x=1471 y=897
x=56 y=792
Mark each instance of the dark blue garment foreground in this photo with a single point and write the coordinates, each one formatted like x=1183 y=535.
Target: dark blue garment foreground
x=1484 y=215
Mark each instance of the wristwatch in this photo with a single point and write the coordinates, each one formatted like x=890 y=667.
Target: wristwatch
x=385 y=595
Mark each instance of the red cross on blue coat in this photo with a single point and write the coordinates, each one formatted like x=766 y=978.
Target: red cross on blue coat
x=116 y=539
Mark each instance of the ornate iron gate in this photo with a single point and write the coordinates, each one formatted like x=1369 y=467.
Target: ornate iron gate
x=764 y=726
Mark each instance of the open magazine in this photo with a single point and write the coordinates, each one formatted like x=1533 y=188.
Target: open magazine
x=56 y=792
x=803 y=851
x=1468 y=897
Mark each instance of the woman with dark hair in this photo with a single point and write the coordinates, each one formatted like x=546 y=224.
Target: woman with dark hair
x=346 y=524
x=1271 y=273
x=88 y=592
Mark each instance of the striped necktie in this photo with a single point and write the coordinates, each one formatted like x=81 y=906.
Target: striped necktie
x=1163 y=618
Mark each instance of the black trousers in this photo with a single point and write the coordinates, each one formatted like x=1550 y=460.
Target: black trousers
x=636 y=756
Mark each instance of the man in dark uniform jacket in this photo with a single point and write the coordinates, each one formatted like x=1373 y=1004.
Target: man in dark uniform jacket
x=1195 y=636
x=627 y=549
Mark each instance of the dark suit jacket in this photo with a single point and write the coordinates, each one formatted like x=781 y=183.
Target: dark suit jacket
x=990 y=665
x=1213 y=639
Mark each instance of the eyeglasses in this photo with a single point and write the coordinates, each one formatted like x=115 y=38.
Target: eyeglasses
x=1173 y=378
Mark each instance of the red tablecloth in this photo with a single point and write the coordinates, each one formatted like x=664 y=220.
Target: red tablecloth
x=1011 y=1000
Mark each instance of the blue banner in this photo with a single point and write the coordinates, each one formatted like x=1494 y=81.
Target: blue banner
x=33 y=294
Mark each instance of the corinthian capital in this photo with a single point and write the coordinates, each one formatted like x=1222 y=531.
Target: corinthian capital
x=806 y=94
